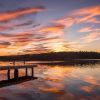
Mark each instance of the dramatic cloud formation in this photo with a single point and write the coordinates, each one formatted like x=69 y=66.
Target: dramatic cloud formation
x=26 y=30
x=84 y=15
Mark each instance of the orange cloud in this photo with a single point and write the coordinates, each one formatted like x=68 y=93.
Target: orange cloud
x=16 y=41
x=6 y=16
x=52 y=29
x=87 y=14
x=28 y=42
x=49 y=37
x=93 y=11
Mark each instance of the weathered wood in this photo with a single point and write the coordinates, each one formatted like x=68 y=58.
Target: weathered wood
x=26 y=71
x=18 y=67
x=13 y=81
x=16 y=73
x=32 y=71
x=8 y=74
x=16 y=78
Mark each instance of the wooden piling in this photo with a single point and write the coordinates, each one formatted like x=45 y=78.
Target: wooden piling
x=26 y=71
x=32 y=71
x=16 y=73
x=16 y=70
x=8 y=74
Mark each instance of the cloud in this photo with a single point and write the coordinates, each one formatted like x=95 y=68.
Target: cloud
x=91 y=37
x=22 y=37
x=82 y=15
x=87 y=14
x=34 y=41
x=92 y=11
x=50 y=37
x=17 y=39
x=4 y=44
x=9 y=15
x=66 y=21
x=52 y=29
x=92 y=20
x=26 y=23
x=45 y=39
x=85 y=29
x=3 y=28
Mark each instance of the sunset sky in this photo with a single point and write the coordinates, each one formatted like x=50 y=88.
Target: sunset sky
x=38 y=26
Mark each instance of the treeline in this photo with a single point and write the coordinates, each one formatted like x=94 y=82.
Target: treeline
x=53 y=56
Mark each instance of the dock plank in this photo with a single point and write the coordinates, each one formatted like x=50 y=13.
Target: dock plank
x=17 y=67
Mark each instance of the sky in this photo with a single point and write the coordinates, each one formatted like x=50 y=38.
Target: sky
x=40 y=26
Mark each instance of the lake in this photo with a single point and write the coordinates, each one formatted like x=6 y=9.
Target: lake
x=56 y=81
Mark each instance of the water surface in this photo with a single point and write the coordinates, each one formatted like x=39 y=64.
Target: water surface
x=56 y=82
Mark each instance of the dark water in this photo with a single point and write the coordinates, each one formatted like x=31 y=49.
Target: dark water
x=56 y=82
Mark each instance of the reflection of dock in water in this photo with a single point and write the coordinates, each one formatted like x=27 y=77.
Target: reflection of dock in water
x=17 y=79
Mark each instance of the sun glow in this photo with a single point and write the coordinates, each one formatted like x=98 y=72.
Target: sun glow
x=58 y=47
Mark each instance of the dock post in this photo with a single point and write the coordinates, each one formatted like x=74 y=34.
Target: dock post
x=8 y=74
x=26 y=71
x=14 y=63
x=24 y=62
x=32 y=71
x=16 y=73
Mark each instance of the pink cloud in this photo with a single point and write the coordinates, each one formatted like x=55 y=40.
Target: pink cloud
x=85 y=29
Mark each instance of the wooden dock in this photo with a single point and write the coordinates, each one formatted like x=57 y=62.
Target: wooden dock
x=18 y=67
x=17 y=78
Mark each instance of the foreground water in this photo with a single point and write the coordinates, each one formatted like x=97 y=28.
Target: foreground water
x=56 y=82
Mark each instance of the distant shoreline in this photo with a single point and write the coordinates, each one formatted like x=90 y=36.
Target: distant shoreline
x=54 y=56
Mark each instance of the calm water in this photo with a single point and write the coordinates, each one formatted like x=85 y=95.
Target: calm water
x=56 y=82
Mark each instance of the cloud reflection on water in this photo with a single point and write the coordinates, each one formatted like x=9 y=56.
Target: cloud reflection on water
x=57 y=83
